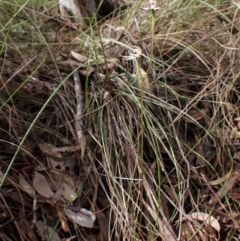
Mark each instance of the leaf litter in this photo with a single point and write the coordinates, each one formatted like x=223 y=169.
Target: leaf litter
x=131 y=146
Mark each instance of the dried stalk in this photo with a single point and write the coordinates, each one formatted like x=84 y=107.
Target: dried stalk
x=79 y=112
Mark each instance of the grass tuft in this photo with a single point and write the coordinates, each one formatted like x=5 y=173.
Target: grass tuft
x=147 y=141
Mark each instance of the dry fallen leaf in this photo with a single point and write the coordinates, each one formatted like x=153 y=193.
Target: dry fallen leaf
x=63 y=220
x=69 y=180
x=55 y=158
x=40 y=184
x=199 y=226
x=26 y=187
x=79 y=57
x=83 y=218
x=67 y=192
x=58 y=195
x=204 y=217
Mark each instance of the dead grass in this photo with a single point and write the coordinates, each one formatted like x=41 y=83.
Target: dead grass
x=148 y=146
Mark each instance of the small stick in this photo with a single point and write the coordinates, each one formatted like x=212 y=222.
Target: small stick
x=79 y=111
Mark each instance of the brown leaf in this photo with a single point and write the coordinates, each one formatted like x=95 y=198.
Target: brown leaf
x=79 y=57
x=63 y=220
x=54 y=158
x=25 y=186
x=41 y=185
x=204 y=217
x=83 y=218
x=67 y=192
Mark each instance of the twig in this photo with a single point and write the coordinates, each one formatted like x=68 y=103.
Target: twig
x=79 y=111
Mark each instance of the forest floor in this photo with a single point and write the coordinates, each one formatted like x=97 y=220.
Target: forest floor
x=129 y=130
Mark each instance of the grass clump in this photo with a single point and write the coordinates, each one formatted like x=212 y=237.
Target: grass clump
x=132 y=125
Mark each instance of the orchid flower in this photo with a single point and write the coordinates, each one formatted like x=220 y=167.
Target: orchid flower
x=136 y=53
x=152 y=4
